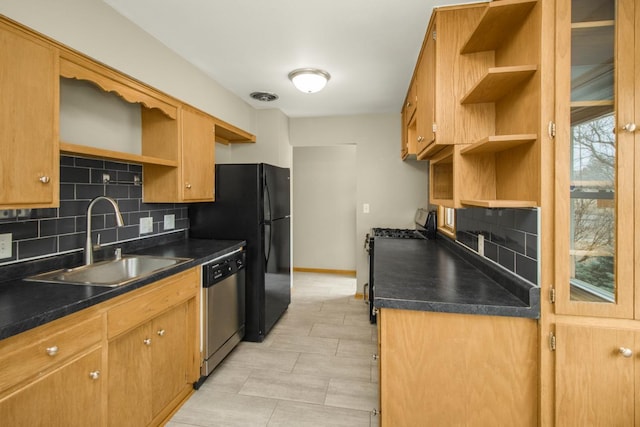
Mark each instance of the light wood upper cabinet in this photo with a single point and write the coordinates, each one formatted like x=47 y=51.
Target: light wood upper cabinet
x=596 y=167
x=29 y=121
x=194 y=148
x=444 y=76
x=479 y=89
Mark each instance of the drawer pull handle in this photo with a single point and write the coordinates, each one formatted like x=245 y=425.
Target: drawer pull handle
x=52 y=351
x=94 y=375
x=161 y=332
x=625 y=352
x=147 y=341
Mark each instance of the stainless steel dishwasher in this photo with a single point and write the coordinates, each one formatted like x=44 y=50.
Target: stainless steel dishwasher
x=223 y=309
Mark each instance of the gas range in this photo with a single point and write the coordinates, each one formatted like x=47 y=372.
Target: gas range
x=397 y=233
x=425 y=229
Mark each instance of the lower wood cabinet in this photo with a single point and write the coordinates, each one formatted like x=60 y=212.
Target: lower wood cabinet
x=70 y=395
x=445 y=369
x=152 y=360
x=596 y=371
x=130 y=361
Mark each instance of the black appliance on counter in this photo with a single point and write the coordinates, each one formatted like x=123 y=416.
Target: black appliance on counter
x=252 y=204
x=426 y=225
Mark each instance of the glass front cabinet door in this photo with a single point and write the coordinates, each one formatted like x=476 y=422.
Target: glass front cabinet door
x=595 y=154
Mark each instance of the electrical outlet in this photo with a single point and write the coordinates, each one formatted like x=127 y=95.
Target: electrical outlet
x=365 y=208
x=6 y=243
x=169 y=222
x=146 y=225
x=481 y=244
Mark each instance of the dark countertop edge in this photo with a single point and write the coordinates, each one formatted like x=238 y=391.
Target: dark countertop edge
x=523 y=290
x=42 y=318
x=443 y=307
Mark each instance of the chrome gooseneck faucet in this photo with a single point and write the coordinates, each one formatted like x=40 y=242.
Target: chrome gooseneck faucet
x=88 y=247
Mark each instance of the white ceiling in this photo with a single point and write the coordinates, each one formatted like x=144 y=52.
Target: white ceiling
x=369 y=47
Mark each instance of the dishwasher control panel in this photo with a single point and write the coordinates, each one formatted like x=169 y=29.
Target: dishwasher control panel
x=217 y=270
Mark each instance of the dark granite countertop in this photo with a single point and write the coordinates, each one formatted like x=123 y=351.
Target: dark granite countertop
x=25 y=305
x=439 y=275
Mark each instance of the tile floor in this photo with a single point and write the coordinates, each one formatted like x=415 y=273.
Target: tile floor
x=315 y=368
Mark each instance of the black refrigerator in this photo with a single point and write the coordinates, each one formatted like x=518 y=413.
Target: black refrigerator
x=252 y=204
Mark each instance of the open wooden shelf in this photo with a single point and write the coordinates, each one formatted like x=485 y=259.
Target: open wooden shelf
x=498 y=21
x=494 y=144
x=500 y=203
x=498 y=82
x=83 y=150
x=227 y=133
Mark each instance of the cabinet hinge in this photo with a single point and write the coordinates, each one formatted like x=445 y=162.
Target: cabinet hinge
x=434 y=128
x=551 y=129
x=552 y=295
x=552 y=341
x=433 y=35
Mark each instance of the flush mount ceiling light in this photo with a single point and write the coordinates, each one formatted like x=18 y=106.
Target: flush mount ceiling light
x=309 y=80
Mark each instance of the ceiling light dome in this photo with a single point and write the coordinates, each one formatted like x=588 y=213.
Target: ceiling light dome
x=309 y=80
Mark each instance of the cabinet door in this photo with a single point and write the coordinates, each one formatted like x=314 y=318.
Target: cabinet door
x=129 y=398
x=28 y=123
x=595 y=158
x=594 y=381
x=198 y=155
x=426 y=94
x=439 y=369
x=69 y=396
x=169 y=356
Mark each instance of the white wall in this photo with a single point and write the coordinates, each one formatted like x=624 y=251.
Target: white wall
x=324 y=206
x=394 y=189
x=272 y=141
x=93 y=28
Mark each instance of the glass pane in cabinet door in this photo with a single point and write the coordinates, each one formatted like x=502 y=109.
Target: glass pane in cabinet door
x=593 y=152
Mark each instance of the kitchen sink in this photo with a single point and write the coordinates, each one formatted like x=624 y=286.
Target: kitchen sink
x=112 y=273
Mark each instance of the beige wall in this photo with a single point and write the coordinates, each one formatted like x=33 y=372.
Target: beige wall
x=393 y=189
x=324 y=203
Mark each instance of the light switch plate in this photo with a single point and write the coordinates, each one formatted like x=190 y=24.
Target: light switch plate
x=6 y=243
x=146 y=225
x=365 y=208
x=169 y=222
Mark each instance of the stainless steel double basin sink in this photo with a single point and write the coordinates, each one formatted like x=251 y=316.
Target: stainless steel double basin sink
x=111 y=273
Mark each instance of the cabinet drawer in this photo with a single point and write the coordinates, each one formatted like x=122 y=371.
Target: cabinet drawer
x=35 y=352
x=142 y=307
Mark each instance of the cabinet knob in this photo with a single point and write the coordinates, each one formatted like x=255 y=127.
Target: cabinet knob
x=629 y=127
x=188 y=186
x=94 y=375
x=147 y=341
x=52 y=351
x=44 y=179
x=420 y=138
x=625 y=352
x=408 y=104
x=161 y=332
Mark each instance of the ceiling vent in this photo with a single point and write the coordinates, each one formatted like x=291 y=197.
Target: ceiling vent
x=264 y=96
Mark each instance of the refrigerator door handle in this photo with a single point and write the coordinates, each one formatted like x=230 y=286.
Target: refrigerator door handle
x=267 y=243
x=267 y=199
